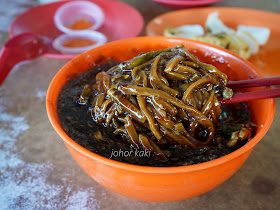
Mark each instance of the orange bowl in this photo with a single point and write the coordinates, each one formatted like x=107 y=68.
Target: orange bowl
x=160 y=183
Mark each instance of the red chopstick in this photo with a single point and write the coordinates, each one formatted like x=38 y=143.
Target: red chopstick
x=254 y=95
x=254 y=82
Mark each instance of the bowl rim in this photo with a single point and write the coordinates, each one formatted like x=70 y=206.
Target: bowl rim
x=51 y=112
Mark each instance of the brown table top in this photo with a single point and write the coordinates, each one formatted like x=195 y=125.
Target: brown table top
x=37 y=171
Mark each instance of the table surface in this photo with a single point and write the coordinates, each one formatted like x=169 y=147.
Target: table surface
x=37 y=171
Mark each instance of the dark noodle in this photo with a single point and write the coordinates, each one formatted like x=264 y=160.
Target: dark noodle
x=169 y=92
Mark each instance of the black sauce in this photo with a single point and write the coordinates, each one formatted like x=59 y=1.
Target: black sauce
x=78 y=124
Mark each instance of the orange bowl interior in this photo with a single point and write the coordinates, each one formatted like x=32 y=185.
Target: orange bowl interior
x=160 y=183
